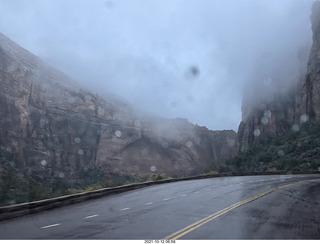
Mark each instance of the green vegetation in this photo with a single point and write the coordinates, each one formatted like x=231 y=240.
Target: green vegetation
x=291 y=151
x=19 y=185
x=157 y=176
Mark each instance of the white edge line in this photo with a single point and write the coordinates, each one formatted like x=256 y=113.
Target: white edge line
x=49 y=226
x=91 y=216
x=149 y=203
x=123 y=209
x=166 y=199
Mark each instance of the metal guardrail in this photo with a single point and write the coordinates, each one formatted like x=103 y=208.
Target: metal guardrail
x=17 y=210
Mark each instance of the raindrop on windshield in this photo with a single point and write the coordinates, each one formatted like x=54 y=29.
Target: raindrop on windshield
x=137 y=123
x=189 y=144
x=100 y=111
x=165 y=145
x=256 y=132
x=43 y=162
x=264 y=120
x=80 y=152
x=280 y=152
x=304 y=118
x=77 y=140
x=295 y=128
x=267 y=80
x=118 y=133
x=71 y=100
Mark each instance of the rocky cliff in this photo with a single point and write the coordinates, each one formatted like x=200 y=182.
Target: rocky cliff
x=52 y=127
x=308 y=97
x=274 y=111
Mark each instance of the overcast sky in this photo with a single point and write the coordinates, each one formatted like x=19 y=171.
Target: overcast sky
x=174 y=58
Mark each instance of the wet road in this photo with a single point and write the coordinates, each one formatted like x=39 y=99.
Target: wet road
x=244 y=207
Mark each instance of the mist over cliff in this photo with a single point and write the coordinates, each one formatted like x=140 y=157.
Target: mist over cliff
x=173 y=58
x=287 y=95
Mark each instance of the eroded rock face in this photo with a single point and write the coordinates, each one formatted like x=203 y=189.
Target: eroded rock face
x=285 y=110
x=57 y=129
x=309 y=92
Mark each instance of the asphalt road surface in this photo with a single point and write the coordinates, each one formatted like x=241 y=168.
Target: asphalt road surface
x=242 y=207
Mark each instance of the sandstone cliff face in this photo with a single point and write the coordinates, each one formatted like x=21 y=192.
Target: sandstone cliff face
x=308 y=98
x=282 y=110
x=55 y=128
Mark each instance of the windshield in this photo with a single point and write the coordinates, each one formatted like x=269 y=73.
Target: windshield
x=183 y=112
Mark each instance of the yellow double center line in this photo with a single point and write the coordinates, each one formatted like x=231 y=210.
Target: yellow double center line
x=207 y=219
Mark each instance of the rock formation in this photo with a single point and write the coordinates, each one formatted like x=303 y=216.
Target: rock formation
x=54 y=128
x=309 y=91
x=279 y=110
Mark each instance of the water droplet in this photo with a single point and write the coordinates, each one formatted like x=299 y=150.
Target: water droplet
x=256 y=132
x=267 y=80
x=190 y=99
x=100 y=111
x=144 y=151
x=194 y=71
x=109 y=4
x=118 y=133
x=295 y=128
x=189 y=144
x=165 y=145
x=153 y=168
x=174 y=104
x=304 y=118
x=197 y=140
x=87 y=98
x=77 y=140
x=264 y=120
x=61 y=175
x=43 y=162
x=267 y=114
x=80 y=152
x=262 y=107
x=137 y=123
x=71 y=99
x=43 y=122
x=280 y=152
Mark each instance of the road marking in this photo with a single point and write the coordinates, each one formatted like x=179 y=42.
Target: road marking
x=149 y=203
x=123 y=209
x=166 y=199
x=49 y=226
x=213 y=216
x=183 y=195
x=91 y=216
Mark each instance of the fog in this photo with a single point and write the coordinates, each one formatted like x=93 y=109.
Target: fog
x=173 y=58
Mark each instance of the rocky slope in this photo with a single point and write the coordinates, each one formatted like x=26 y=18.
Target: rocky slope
x=53 y=128
x=275 y=111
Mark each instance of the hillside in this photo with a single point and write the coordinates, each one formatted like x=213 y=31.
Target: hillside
x=294 y=150
x=57 y=137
